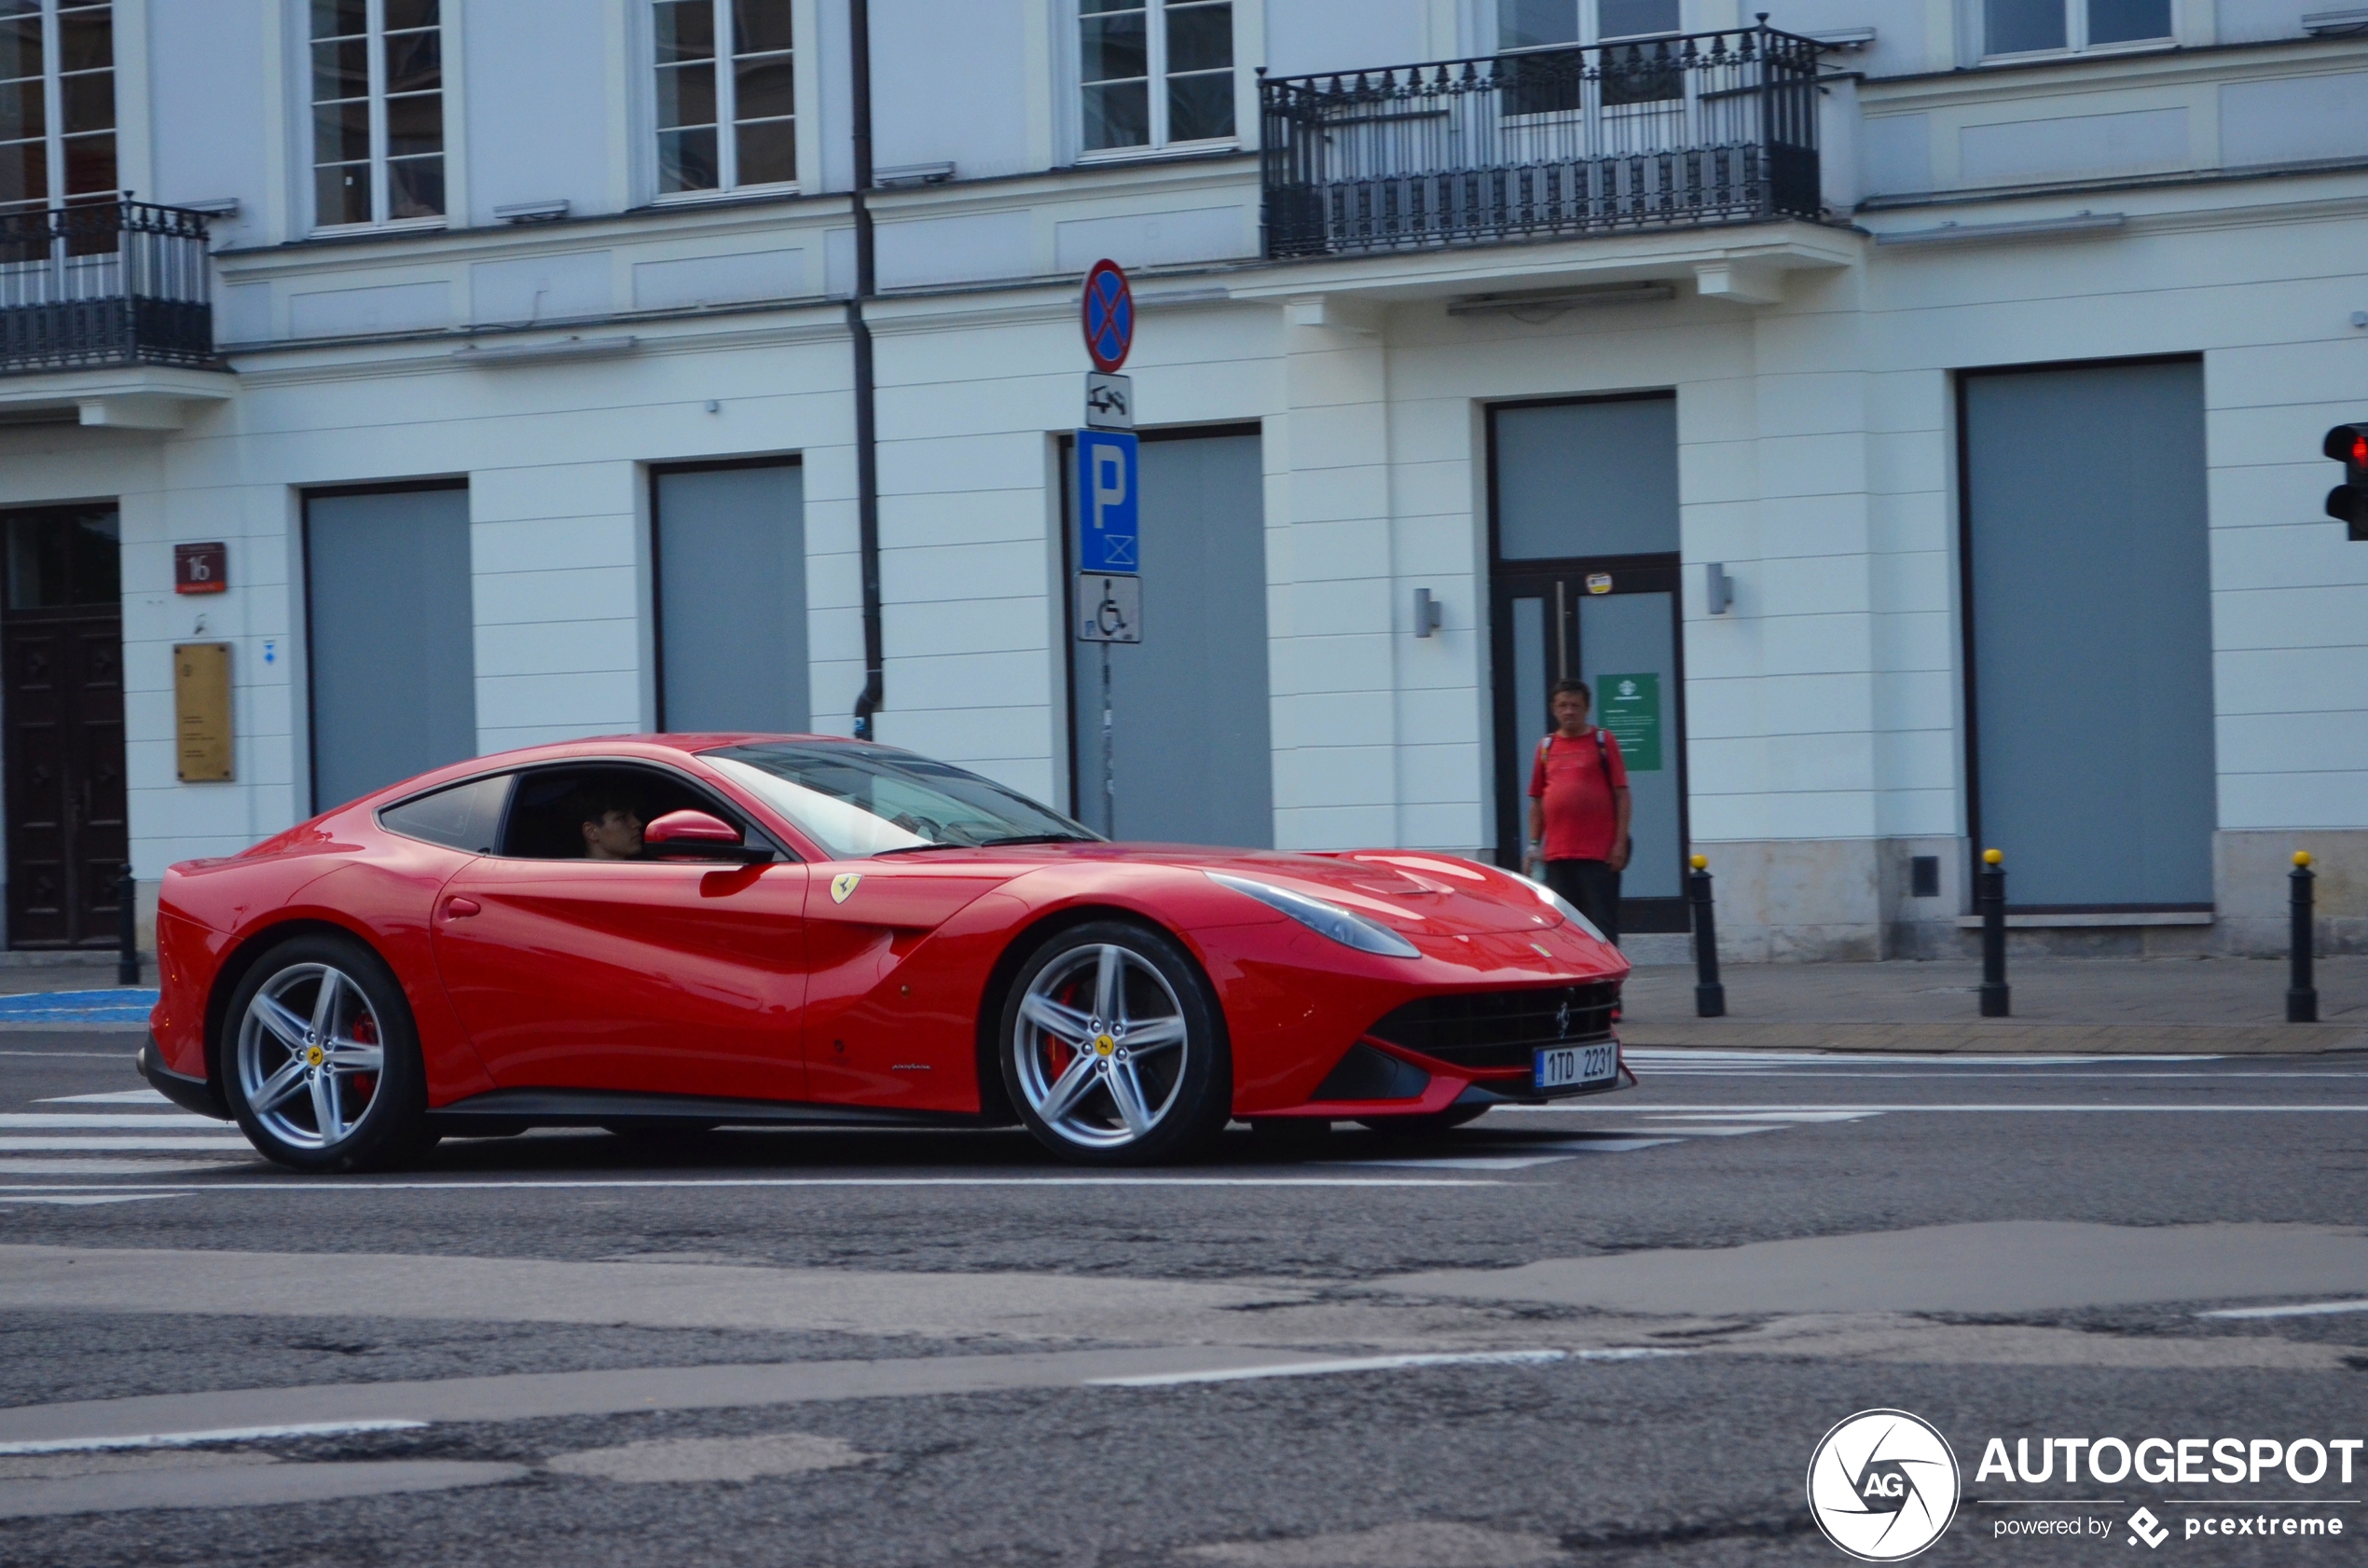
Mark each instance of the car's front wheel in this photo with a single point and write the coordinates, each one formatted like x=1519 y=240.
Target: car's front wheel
x=1114 y=1050
x=321 y=1061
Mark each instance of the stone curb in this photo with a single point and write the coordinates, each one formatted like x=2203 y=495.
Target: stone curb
x=2003 y=1038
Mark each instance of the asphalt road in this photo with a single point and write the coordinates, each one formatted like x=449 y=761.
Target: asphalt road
x=1578 y=1336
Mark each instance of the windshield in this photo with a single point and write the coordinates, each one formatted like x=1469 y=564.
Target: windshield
x=857 y=801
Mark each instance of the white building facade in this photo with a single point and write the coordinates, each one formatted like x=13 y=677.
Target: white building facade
x=1906 y=413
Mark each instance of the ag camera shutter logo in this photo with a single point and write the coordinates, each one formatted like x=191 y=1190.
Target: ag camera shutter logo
x=1882 y=1485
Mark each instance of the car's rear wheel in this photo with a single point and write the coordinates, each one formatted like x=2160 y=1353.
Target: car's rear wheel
x=1418 y=1126
x=322 y=1062
x=1113 y=1048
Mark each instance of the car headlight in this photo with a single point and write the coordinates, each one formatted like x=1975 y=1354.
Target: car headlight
x=1329 y=920
x=1565 y=908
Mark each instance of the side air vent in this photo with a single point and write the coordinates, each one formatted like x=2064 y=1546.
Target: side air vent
x=1368 y=1074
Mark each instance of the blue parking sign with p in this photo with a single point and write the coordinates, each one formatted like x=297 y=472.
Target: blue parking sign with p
x=1107 y=497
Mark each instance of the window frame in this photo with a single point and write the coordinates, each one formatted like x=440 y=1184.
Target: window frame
x=1591 y=33
x=1243 y=17
x=807 y=86
x=2075 y=37
x=507 y=777
x=755 y=832
x=374 y=48
x=53 y=120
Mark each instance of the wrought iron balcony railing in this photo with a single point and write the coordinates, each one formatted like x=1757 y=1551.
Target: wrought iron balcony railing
x=108 y=283
x=1664 y=132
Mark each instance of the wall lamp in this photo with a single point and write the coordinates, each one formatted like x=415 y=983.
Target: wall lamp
x=1425 y=613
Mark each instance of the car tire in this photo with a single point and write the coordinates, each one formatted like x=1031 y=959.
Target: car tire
x=1425 y=1125
x=1113 y=1048
x=333 y=1087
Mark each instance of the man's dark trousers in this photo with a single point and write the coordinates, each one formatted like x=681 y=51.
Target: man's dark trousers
x=1592 y=886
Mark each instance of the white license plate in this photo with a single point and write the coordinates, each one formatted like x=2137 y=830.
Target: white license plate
x=1563 y=1066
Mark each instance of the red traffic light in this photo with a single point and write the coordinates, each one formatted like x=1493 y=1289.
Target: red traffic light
x=2348 y=503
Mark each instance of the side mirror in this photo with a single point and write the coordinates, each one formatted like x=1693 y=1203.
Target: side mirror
x=695 y=836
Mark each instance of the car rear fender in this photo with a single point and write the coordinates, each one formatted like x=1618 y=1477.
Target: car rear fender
x=452 y=1067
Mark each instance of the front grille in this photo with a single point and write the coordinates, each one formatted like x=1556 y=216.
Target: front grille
x=1500 y=1028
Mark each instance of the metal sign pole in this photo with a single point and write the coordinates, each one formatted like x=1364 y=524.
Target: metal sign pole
x=1109 y=751
x=1107 y=501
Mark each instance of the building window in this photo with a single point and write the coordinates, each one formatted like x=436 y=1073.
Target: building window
x=1529 y=25
x=724 y=66
x=377 y=112
x=2039 y=26
x=57 y=104
x=1155 y=73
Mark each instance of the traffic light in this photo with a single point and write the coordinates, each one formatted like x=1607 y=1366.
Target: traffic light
x=2349 y=501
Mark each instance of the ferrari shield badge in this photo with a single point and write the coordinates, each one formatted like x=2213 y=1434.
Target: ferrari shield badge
x=844 y=883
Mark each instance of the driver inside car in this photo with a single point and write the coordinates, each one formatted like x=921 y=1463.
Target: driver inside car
x=610 y=823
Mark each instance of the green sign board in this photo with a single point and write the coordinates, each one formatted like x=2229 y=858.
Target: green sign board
x=1630 y=706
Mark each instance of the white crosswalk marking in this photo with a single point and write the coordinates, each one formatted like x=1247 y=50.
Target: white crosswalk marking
x=1650 y=1061
x=88 y=1119
x=119 y=1132
x=188 y=1144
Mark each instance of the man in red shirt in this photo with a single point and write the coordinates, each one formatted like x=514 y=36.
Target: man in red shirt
x=1579 y=809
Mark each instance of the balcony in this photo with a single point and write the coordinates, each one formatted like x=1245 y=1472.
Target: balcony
x=108 y=285
x=1711 y=128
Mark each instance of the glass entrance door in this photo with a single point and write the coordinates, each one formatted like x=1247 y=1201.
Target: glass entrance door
x=1613 y=624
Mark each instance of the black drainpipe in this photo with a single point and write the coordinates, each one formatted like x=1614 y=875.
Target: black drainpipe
x=867 y=461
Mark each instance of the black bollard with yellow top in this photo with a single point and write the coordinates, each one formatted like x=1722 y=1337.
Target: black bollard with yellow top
x=1990 y=900
x=1710 y=996
x=2302 y=991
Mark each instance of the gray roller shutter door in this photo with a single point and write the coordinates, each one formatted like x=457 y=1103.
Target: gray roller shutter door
x=731 y=572
x=392 y=638
x=1194 y=760
x=2091 y=581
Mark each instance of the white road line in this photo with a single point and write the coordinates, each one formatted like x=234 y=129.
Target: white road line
x=37 y=1120
x=1345 y=1364
x=1667 y=1057
x=160 y=1165
x=85 y=1200
x=2299 y=1074
x=364 y=1185
x=2308 y=1309
x=119 y=1143
x=1786 y=1118
x=1387 y=1364
x=111 y=1097
x=1591 y=1109
x=226 y=1435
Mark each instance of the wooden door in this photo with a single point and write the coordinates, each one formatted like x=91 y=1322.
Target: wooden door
x=62 y=683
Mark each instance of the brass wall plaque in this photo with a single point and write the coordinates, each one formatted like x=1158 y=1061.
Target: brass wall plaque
x=201 y=711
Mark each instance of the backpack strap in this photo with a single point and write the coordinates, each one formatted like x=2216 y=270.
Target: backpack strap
x=1604 y=755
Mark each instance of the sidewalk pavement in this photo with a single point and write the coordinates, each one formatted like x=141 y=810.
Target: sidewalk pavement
x=2061 y=1006
x=2071 y=1007
x=73 y=969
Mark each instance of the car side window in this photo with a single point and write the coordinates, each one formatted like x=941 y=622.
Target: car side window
x=464 y=817
x=548 y=817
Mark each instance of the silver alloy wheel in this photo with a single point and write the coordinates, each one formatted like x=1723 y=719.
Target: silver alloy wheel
x=1101 y=1046
x=310 y=1055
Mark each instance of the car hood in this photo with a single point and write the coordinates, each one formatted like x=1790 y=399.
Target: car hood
x=1406 y=889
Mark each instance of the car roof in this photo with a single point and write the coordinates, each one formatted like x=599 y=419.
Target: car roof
x=669 y=747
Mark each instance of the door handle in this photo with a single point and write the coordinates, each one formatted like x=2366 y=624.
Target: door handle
x=461 y=909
